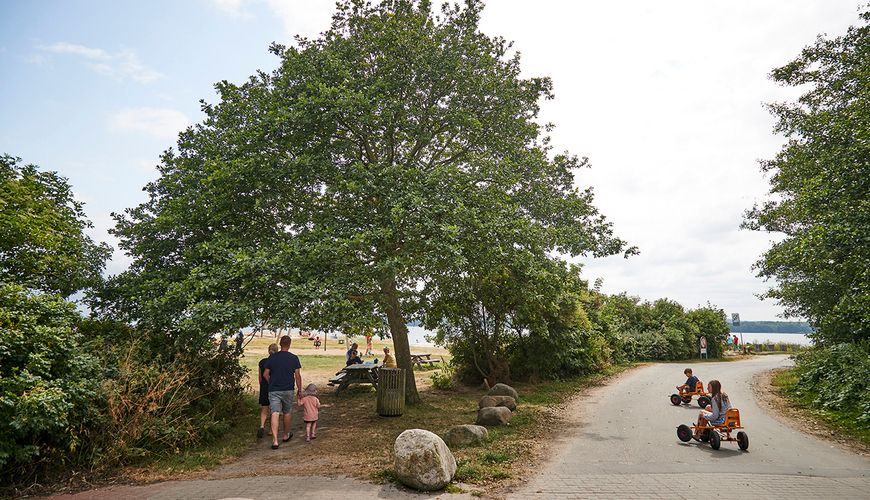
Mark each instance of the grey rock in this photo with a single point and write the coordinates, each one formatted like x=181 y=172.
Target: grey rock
x=503 y=390
x=490 y=401
x=495 y=415
x=423 y=461
x=464 y=435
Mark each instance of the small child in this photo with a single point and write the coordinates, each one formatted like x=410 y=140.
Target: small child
x=690 y=384
x=310 y=409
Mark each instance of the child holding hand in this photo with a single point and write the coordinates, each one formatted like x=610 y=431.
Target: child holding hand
x=310 y=410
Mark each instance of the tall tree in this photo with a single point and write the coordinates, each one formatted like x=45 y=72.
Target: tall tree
x=820 y=187
x=348 y=184
x=42 y=241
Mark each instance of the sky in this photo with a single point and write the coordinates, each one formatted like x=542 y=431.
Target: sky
x=666 y=99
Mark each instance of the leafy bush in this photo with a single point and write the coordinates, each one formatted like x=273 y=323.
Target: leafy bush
x=50 y=395
x=445 y=378
x=837 y=376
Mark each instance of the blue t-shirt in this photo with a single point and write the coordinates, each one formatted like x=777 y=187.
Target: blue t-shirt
x=692 y=382
x=282 y=366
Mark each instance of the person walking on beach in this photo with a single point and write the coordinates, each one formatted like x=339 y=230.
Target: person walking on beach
x=284 y=373
x=368 y=345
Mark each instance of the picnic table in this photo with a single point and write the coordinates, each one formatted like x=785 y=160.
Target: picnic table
x=366 y=373
x=423 y=359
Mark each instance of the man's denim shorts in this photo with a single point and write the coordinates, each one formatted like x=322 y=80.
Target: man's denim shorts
x=281 y=401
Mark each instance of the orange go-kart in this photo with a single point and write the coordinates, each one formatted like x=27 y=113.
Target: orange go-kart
x=715 y=434
x=686 y=397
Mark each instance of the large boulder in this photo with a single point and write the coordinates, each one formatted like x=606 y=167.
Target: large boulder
x=494 y=415
x=423 y=461
x=464 y=435
x=490 y=401
x=503 y=390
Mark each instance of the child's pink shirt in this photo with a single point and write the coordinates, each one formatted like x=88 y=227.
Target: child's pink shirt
x=310 y=406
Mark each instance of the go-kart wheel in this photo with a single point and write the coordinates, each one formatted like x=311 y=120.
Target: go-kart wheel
x=715 y=440
x=687 y=399
x=743 y=440
x=675 y=400
x=705 y=435
x=684 y=433
x=703 y=401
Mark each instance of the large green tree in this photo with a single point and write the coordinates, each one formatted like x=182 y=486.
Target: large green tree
x=820 y=188
x=42 y=241
x=350 y=184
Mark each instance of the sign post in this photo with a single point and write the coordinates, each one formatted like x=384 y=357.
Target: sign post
x=703 y=343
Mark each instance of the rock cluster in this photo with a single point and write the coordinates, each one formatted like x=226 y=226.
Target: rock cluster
x=496 y=408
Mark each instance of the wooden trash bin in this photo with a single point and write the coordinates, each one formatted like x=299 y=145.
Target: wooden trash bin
x=391 y=392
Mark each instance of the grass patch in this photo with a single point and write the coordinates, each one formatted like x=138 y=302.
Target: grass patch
x=232 y=444
x=503 y=457
x=786 y=382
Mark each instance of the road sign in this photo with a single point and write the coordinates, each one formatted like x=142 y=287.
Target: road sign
x=735 y=319
x=703 y=343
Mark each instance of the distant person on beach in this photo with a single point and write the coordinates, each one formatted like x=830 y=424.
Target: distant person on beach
x=368 y=345
x=284 y=373
x=389 y=362
x=264 y=391
x=310 y=411
x=353 y=348
x=736 y=343
x=354 y=359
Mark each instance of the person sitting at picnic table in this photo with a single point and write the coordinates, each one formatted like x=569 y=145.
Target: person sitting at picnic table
x=354 y=359
x=353 y=349
x=389 y=362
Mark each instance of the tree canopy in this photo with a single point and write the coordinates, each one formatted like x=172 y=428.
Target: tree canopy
x=42 y=241
x=820 y=189
x=380 y=162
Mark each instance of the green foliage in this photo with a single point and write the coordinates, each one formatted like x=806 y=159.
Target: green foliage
x=83 y=393
x=445 y=378
x=661 y=330
x=354 y=184
x=836 y=377
x=42 y=243
x=820 y=191
x=50 y=393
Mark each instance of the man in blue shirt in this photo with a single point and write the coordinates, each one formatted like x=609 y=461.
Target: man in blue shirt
x=283 y=371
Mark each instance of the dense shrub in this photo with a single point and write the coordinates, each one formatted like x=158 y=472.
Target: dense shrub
x=50 y=394
x=78 y=393
x=837 y=377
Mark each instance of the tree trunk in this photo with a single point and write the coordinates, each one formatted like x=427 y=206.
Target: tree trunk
x=399 y=332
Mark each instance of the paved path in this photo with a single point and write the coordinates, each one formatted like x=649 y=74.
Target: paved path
x=260 y=488
x=622 y=444
x=626 y=446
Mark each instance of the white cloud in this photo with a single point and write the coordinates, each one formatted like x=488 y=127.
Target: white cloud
x=298 y=17
x=306 y=20
x=121 y=65
x=158 y=122
x=233 y=7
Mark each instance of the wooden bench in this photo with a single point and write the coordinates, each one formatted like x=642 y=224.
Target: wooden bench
x=424 y=360
x=356 y=374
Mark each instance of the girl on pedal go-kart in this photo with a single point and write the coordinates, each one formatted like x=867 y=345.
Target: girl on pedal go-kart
x=714 y=414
